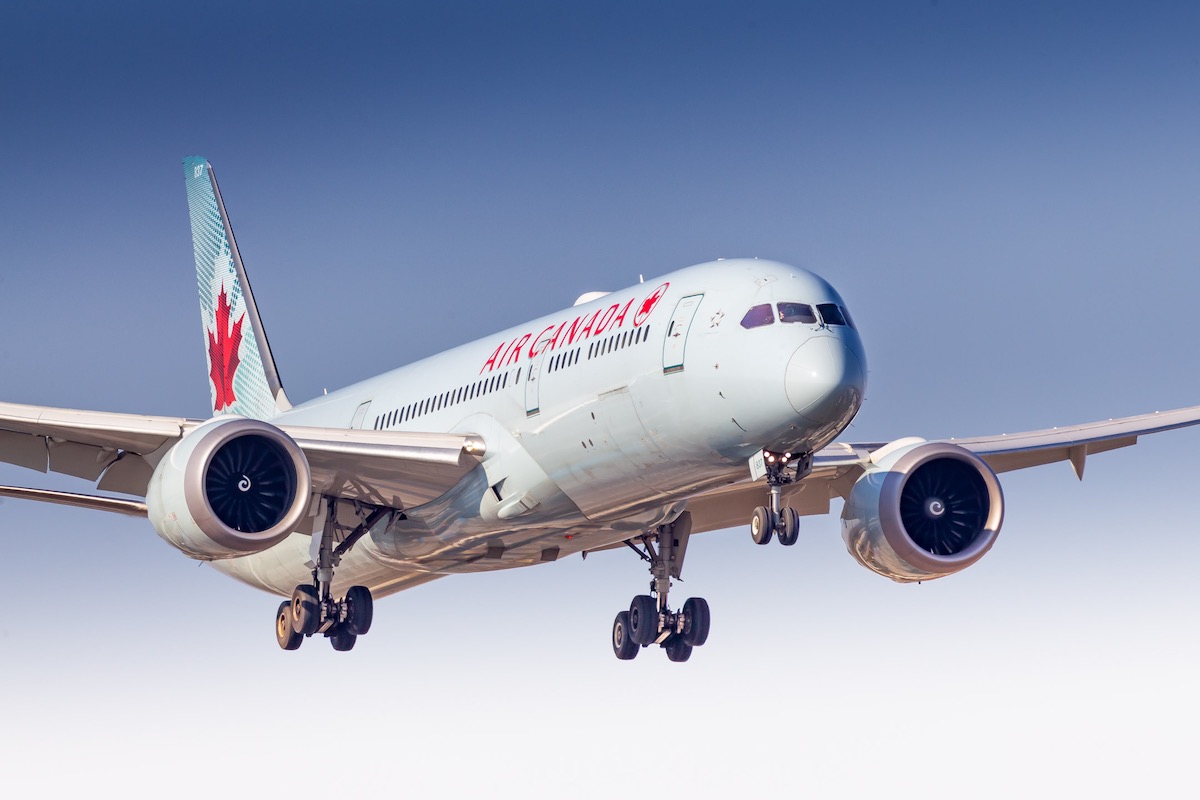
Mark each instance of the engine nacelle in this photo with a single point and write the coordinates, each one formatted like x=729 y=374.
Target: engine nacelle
x=922 y=510
x=230 y=487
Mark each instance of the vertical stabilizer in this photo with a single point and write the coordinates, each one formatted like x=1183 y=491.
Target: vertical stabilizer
x=241 y=370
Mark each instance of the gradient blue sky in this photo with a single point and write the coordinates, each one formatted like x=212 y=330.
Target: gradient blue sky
x=1006 y=194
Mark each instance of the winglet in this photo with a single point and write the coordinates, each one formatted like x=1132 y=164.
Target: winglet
x=241 y=369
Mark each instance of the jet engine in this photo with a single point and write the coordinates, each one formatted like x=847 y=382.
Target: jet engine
x=230 y=487
x=922 y=510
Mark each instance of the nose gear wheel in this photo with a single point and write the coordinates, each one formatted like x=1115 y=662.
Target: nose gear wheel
x=775 y=519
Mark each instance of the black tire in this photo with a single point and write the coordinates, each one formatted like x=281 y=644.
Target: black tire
x=285 y=633
x=359 y=610
x=623 y=644
x=643 y=619
x=789 y=526
x=306 y=610
x=677 y=649
x=762 y=525
x=696 y=621
x=342 y=639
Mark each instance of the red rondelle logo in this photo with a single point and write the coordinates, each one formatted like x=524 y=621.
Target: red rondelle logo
x=649 y=303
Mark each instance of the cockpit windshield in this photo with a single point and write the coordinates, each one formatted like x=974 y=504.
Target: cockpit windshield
x=834 y=315
x=797 y=312
x=825 y=314
x=758 y=316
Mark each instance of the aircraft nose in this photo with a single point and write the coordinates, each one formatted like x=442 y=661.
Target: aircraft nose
x=825 y=380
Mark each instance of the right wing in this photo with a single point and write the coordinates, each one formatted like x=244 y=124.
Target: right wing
x=837 y=467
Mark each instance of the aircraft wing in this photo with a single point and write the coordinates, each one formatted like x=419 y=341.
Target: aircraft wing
x=93 y=445
x=837 y=467
x=118 y=451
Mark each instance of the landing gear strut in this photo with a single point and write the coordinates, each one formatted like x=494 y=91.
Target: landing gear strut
x=313 y=608
x=776 y=518
x=650 y=619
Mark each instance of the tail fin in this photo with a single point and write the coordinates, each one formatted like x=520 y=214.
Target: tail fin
x=241 y=369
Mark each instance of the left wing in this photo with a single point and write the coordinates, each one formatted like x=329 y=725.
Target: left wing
x=94 y=445
x=119 y=451
x=837 y=467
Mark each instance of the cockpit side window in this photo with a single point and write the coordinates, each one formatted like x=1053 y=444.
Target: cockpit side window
x=758 y=316
x=797 y=312
x=832 y=314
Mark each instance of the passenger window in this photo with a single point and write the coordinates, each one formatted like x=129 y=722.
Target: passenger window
x=797 y=312
x=758 y=316
x=831 y=314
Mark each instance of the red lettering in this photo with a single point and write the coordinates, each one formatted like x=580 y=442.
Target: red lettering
x=532 y=350
x=587 y=326
x=602 y=323
x=491 y=362
x=574 y=330
x=554 y=340
x=514 y=354
x=620 y=320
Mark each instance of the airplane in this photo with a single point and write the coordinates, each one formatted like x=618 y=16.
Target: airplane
x=705 y=399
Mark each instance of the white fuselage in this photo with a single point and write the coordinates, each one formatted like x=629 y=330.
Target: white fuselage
x=599 y=420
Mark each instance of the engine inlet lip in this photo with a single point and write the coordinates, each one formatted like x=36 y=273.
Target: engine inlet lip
x=893 y=527
x=196 y=471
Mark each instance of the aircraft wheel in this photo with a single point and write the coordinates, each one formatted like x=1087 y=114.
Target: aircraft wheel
x=695 y=621
x=678 y=649
x=789 y=526
x=359 y=610
x=285 y=631
x=623 y=644
x=342 y=639
x=305 y=610
x=762 y=525
x=643 y=619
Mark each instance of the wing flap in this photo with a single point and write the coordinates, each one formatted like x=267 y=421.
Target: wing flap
x=24 y=450
x=129 y=474
x=81 y=460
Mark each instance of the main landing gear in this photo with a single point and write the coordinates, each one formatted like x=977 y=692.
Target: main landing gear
x=776 y=518
x=650 y=619
x=313 y=609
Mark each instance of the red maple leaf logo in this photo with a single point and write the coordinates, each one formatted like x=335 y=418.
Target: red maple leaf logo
x=649 y=303
x=223 y=344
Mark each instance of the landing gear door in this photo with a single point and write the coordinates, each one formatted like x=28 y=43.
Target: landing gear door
x=677 y=332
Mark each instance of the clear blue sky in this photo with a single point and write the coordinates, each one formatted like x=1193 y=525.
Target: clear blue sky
x=1006 y=194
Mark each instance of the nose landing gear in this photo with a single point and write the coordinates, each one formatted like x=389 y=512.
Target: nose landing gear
x=650 y=619
x=775 y=518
